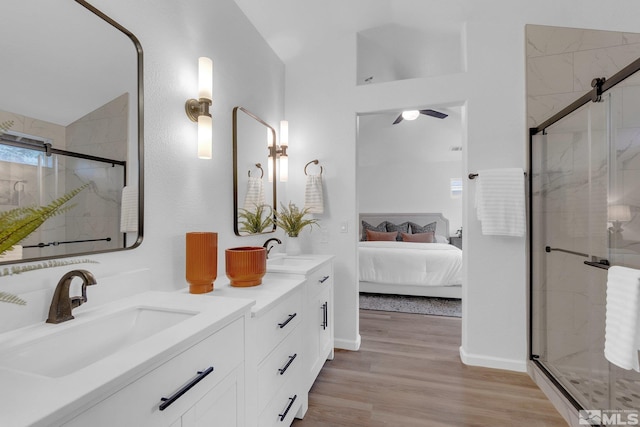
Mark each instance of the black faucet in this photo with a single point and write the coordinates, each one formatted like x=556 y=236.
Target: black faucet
x=62 y=304
x=273 y=239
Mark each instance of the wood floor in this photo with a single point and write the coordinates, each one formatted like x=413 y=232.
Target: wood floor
x=408 y=373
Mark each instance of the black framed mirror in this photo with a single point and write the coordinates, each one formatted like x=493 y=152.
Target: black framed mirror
x=254 y=189
x=71 y=116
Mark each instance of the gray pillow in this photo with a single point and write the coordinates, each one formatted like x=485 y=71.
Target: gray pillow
x=366 y=226
x=415 y=228
x=400 y=228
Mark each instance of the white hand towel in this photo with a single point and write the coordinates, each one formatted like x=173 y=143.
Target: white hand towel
x=500 y=202
x=313 y=198
x=622 y=324
x=129 y=210
x=255 y=194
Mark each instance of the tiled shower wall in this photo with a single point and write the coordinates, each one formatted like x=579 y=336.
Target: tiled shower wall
x=561 y=62
x=571 y=196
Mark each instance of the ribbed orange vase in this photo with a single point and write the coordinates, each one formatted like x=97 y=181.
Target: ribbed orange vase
x=202 y=261
x=246 y=265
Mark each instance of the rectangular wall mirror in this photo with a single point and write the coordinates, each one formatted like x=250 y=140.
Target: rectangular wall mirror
x=70 y=118
x=254 y=192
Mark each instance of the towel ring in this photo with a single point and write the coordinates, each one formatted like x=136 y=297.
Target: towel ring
x=259 y=166
x=315 y=162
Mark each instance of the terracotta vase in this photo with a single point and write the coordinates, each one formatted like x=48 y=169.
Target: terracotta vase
x=246 y=265
x=202 y=261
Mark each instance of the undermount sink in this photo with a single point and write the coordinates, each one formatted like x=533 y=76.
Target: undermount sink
x=79 y=344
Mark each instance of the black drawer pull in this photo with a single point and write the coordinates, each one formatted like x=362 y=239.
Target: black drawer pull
x=325 y=315
x=289 y=319
x=286 y=411
x=324 y=279
x=167 y=401
x=291 y=359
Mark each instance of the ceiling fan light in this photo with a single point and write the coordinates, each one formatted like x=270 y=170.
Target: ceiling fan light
x=410 y=114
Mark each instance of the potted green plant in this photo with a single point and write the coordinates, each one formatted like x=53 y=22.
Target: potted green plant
x=292 y=220
x=254 y=222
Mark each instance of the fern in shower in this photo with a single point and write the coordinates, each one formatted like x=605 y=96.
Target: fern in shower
x=16 y=224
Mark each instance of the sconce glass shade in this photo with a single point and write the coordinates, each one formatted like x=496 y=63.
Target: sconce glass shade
x=620 y=213
x=284 y=168
x=205 y=129
x=410 y=114
x=284 y=133
x=205 y=78
x=284 y=144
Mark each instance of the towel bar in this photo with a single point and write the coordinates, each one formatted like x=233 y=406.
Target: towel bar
x=315 y=162
x=603 y=263
x=474 y=175
x=259 y=166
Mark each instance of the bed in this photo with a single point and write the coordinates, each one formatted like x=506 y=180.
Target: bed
x=409 y=268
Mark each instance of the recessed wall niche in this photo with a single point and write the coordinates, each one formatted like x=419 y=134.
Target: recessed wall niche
x=395 y=52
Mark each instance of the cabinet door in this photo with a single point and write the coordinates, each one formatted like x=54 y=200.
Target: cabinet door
x=319 y=339
x=325 y=336
x=220 y=406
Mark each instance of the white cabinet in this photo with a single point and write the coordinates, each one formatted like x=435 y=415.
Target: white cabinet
x=318 y=337
x=275 y=383
x=319 y=324
x=200 y=386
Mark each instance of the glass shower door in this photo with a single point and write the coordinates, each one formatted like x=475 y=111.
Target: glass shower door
x=569 y=204
x=585 y=198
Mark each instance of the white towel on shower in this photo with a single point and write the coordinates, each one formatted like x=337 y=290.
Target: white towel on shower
x=255 y=194
x=129 y=210
x=622 y=322
x=313 y=198
x=500 y=201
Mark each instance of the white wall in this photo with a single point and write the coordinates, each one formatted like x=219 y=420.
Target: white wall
x=182 y=192
x=322 y=102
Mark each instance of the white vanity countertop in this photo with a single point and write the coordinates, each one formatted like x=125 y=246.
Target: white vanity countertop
x=29 y=399
x=264 y=296
x=302 y=264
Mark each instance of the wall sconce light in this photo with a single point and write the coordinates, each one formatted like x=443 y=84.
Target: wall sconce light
x=284 y=157
x=617 y=214
x=198 y=109
x=279 y=152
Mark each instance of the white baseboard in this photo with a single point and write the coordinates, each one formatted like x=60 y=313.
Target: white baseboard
x=492 y=362
x=352 y=345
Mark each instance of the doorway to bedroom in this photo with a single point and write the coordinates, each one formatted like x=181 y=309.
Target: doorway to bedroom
x=409 y=174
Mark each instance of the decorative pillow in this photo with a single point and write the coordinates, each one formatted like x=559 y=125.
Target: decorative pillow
x=428 y=237
x=381 y=235
x=399 y=228
x=366 y=226
x=415 y=228
x=441 y=239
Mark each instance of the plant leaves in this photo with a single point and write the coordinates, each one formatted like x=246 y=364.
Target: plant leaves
x=16 y=224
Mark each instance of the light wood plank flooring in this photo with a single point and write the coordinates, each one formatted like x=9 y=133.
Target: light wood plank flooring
x=408 y=373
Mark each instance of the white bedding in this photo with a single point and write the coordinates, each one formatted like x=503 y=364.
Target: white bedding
x=409 y=263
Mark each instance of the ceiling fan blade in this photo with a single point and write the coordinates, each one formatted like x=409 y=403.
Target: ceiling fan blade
x=434 y=113
x=398 y=120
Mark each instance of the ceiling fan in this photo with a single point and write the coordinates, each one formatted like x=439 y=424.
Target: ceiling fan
x=413 y=114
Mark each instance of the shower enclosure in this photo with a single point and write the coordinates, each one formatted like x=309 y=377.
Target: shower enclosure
x=33 y=173
x=584 y=203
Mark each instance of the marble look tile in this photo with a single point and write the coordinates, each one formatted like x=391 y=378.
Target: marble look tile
x=543 y=107
x=630 y=38
x=550 y=74
x=545 y=40
x=601 y=63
